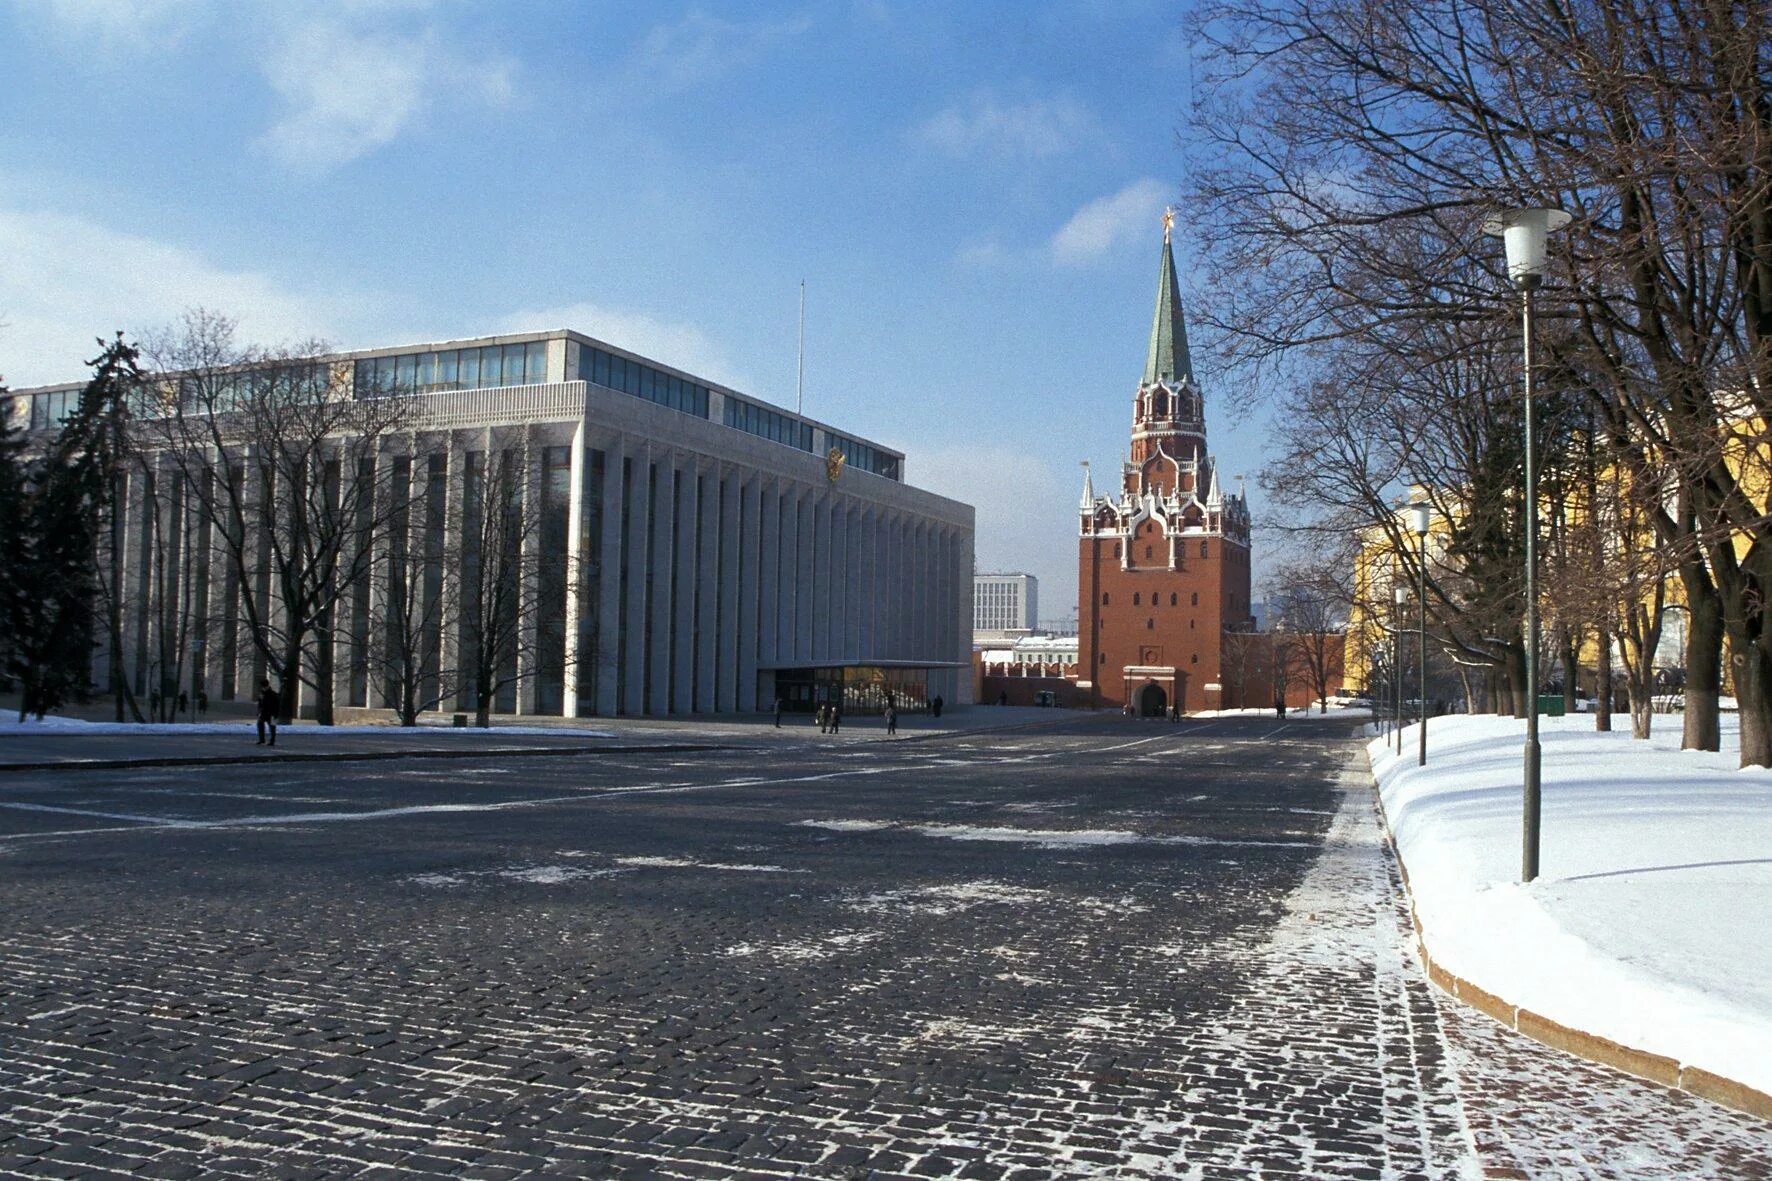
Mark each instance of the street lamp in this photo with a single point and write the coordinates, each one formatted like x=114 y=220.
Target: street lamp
x=1400 y=596
x=1418 y=512
x=1523 y=233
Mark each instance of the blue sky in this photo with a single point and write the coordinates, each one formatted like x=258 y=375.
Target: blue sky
x=971 y=192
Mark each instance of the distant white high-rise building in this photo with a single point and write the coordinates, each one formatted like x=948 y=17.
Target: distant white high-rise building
x=1004 y=605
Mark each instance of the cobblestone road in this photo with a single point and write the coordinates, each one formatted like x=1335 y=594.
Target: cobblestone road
x=1106 y=948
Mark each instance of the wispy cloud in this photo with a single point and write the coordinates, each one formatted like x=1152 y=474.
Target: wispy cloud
x=1101 y=225
x=68 y=281
x=114 y=26
x=986 y=125
x=673 y=342
x=701 y=47
x=349 y=90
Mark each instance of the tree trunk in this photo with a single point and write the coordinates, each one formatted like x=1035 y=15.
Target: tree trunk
x=324 y=662
x=1704 y=662
x=1514 y=683
x=1752 y=673
x=1603 y=679
x=289 y=682
x=1642 y=701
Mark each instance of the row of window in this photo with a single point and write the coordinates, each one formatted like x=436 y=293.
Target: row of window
x=760 y=420
x=643 y=381
x=453 y=369
x=1137 y=600
x=50 y=410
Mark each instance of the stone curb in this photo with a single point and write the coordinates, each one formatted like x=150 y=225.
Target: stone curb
x=367 y=756
x=1657 y=1068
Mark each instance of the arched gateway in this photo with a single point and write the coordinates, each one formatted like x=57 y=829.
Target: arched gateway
x=1152 y=701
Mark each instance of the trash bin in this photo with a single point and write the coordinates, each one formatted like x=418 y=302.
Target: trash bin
x=460 y=721
x=1550 y=705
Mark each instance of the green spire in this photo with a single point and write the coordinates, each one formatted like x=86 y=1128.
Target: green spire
x=1168 y=359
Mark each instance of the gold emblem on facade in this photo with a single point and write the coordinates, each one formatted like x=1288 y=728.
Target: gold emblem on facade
x=833 y=464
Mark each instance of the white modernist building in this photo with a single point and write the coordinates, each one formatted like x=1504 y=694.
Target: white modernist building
x=1004 y=605
x=727 y=552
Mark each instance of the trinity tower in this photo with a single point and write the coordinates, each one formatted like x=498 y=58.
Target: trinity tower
x=1164 y=563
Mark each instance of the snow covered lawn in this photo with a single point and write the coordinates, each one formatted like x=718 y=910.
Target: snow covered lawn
x=1651 y=920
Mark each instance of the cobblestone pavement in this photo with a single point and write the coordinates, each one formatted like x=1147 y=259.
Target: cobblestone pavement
x=1109 y=948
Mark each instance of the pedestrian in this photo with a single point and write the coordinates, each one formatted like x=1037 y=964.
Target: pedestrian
x=824 y=718
x=778 y=713
x=269 y=704
x=935 y=706
x=154 y=705
x=1003 y=697
x=202 y=702
x=891 y=719
x=836 y=717
x=184 y=701
x=1279 y=706
x=1175 y=711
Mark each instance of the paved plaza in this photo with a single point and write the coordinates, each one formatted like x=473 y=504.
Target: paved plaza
x=1100 y=947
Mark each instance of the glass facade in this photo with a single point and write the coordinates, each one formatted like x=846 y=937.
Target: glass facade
x=642 y=381
x=760 y=420
x=439 y=371
x=53 y=409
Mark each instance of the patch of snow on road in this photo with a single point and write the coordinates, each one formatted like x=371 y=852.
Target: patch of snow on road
x=946 y=900
x=847 y=825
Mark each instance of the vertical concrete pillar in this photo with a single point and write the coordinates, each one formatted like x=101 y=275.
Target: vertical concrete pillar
x=689 y=578
x=634 y=557
x=575 y=561
x=751 y=603
x=613 y=557
x=709 y=578
x=664 y=561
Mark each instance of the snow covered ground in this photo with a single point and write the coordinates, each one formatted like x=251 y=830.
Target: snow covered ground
x=1651 y=920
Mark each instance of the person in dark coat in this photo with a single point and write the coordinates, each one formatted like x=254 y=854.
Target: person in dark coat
x=891 y=719
x=1279 y=707
x=184 y=702
x=935 y=706
x=270 y=702
x=202 y=702
x=836 y=718
x=778 y=713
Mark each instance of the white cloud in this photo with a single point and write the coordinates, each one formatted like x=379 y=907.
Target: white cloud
x=350 y=91
x=116 y=25
x=68 y=281
x=1105 y=222
x=700 y=47
x=675 y=343
x=987 y=125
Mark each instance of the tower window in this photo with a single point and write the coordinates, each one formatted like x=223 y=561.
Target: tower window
x=1150 y=625
x=1196 y=598
x=1135 y=598
x=1203 y=551
x=1116 y=549
x=1194 y=659
x=1104 y=658
x=1172 y=598
x=1147 y=553
x=1104 y=598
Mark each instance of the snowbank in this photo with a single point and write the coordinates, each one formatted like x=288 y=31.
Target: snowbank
x=1649 y=922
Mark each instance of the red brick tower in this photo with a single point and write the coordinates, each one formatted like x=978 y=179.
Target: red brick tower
x=1164 y=566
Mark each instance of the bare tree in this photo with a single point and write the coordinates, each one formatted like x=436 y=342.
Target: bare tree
x=279 y=454
x=1308 y=601
x=1361 y=145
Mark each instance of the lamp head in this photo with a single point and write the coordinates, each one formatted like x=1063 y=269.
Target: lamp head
x=1400 y=595
x=1523 y=233
x=1419 y=512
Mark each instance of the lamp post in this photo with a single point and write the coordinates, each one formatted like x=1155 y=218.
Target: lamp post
x=1418 y=511
x=1523 y=233
x=1399 y=596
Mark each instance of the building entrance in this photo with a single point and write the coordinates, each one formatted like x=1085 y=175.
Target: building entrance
x=1152 y=702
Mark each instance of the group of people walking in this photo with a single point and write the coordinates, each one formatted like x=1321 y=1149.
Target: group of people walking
x=829 y=715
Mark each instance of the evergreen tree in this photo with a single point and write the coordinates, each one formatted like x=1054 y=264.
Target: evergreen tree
x=55 y=505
